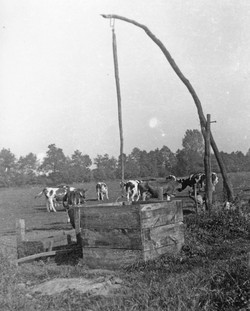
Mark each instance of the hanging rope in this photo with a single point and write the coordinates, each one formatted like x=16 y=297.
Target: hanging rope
x=112 y=25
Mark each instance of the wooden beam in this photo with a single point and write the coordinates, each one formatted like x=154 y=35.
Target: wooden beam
x=227 y=183
x=43 y=255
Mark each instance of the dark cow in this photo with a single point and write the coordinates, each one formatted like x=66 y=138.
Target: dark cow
x=169 y=189
x=72 y=198
x=132 y=189
x=101 y=190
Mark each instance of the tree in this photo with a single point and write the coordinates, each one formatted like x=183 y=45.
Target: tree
x=54 y=164
x=7 y=167
x=54 y=160
x=106 y=167
x=190 y=158
x=26 y=169
x=166 y=161
x=193 y=141
x=80 y=167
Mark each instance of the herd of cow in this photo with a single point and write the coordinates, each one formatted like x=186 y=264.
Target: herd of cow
x=134 y=189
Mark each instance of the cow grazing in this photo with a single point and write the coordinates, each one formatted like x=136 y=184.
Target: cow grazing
x=101 y=191
x=169 y=189
x=53 y=195
x=132 y=189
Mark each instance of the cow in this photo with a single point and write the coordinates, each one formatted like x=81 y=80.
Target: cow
x=53 y=195
x=101 y=190
x=72 y=198
x=214 y=178
x=197 y=180
x=132 y=189
x=169 y=189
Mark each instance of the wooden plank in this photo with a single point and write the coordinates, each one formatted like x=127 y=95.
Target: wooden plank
x=110 y=258
x=159 y=214
x=110 y=217
x=157 y=237
x=115 y=238
x=156 y=252
x=35 y=236
x=43 y=255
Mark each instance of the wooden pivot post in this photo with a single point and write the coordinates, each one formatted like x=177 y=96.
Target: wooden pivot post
x=207 y=160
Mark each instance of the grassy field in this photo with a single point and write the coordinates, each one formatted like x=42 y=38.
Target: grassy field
x=210 y=273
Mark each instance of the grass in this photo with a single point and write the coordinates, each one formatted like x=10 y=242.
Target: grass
x=210 y=273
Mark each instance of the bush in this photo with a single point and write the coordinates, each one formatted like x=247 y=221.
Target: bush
x=229 y=287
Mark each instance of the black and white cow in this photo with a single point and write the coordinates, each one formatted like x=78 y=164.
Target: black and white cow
x=132 y=189
x=101 y=191
x=197 y=180
x=53 y=196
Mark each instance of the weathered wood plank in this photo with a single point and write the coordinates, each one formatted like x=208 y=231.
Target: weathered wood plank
x=156 y=252
x=110 y=258
x=159 y=214
x=115 y=238
x=110 y=217
x=41 y=235
x=158 y=237
x=43 y=255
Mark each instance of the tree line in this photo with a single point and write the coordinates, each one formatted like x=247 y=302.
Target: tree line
x=57 y=168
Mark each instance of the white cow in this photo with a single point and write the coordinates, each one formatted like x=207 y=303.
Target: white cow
x=101 y=190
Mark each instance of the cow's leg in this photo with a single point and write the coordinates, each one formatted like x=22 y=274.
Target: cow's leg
x=133 y=195
x=52 y=208
x=68 y=219
x=107 y=195
x=48 y=205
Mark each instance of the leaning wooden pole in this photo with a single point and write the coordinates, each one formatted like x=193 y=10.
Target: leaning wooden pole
x=118 y=101
x=190 y=88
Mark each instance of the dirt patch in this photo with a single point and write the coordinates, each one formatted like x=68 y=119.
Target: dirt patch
x=104 y=286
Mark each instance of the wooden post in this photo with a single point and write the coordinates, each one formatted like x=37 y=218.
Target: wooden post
x=77 y=220
x=20 y=235
x=207 y=160
x=160 y=193
x=118 y=100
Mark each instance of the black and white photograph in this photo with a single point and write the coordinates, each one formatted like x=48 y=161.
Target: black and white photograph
x=125 y=155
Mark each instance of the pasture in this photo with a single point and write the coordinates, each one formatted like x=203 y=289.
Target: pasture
x=210 y=273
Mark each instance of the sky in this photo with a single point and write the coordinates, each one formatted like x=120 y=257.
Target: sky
x=57 y=83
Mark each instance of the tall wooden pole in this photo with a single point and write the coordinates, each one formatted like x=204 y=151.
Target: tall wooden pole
x=207 y=160
x=226 y=181
x=118 y=100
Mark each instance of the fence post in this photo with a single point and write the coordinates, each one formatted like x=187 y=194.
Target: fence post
x=20 y=234
x=160 y=193
x=77 y=219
